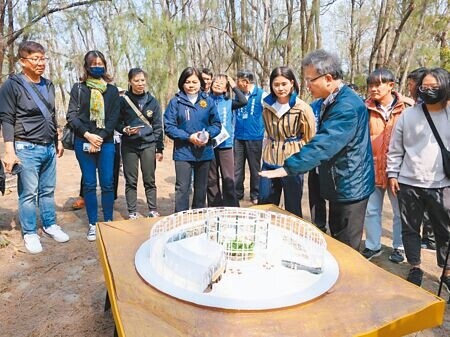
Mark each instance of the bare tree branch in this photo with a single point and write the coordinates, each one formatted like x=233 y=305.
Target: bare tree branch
x=44 y=14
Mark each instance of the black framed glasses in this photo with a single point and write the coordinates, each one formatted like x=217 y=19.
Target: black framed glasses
x=308 y=81
x=36 y=59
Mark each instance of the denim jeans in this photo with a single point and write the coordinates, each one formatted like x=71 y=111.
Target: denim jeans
x=292 y=186
x=373 y=224
x=36 y=185
x=102 y=161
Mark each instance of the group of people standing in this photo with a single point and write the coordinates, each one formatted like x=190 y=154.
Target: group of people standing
x=95 y=112
x=355 y=151
x=386 y=144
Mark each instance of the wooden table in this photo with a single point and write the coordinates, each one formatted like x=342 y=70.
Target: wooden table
x=365 y=301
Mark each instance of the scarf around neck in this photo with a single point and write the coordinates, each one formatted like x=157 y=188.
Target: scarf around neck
x=97 y=104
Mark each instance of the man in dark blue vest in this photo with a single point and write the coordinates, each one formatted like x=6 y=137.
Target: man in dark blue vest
x=248 y=135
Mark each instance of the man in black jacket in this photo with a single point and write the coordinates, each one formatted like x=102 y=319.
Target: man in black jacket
x=27 y=111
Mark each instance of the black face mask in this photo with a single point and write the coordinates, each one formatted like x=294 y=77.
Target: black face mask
x=431 y=96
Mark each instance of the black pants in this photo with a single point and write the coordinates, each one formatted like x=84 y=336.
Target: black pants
x=132 y=157
x=251 y=151
x=346 y=221
x=413 y=202
x=221 y=170
x=317 y=204
x=427 y=229
x=183 y=172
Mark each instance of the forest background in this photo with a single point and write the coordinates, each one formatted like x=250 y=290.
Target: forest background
x=163 y=37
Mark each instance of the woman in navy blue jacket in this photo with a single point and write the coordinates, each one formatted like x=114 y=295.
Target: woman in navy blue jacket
x=191 y=121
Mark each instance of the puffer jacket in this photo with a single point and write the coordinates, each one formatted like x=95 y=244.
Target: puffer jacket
x=380 y=135
x=182 y=119
x=343 y=150
x=288 y=133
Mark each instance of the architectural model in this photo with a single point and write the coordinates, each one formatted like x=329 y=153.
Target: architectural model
x=237 y=258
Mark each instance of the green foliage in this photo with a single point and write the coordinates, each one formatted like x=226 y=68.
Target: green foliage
x=445 y=58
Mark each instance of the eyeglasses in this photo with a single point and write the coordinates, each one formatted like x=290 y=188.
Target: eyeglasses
x=423 y=88
x=308 y=81
x=36 y=59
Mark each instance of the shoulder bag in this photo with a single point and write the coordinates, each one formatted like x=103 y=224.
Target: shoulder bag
x=68 y=135
x=136 y=110
x=445 y=153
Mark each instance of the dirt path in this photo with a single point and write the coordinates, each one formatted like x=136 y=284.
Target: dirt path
x=61 y=292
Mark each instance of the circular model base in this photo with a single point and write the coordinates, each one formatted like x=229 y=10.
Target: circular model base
x=262 y=282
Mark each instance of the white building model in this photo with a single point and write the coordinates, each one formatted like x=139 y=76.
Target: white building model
x=237 y=258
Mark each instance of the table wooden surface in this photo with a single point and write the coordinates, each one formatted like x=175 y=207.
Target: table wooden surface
x=365 y=301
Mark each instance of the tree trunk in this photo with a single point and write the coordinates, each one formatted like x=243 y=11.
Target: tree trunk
x=412 y=49
x=398 y=32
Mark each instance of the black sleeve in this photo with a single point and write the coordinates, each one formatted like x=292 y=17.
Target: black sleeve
x=113 y=113
x=240 y=100
x=157 y=126
x=8 y=105
x=121 y=122
x=73 y=116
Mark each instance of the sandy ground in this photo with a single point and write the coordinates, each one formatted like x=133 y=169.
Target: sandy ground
x=61 y=291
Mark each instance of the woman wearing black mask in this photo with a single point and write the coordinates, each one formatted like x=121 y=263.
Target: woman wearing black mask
x=93 y=113
x=416 y=173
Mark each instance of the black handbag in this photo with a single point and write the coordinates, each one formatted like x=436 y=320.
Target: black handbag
x=445 y=153
x=68 y=135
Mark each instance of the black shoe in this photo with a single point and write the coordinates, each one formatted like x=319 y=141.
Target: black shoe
x=415 y=276
x=396 y=256
x=369 y=253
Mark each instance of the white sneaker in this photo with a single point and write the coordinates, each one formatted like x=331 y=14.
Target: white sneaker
x=92 y=233
x=56 y=233
x=134 y=216
x=32 y=243
x=153 y=214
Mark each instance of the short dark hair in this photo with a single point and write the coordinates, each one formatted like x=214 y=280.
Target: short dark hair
x=380 y=75
x=88 y=58
x=136 y=71
x=324 y=63
x=29 y=47
x=285 y=72
x=247 y=74
x=207 y=71
x=188 y=72
x=442 y=76
x=416 y=74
